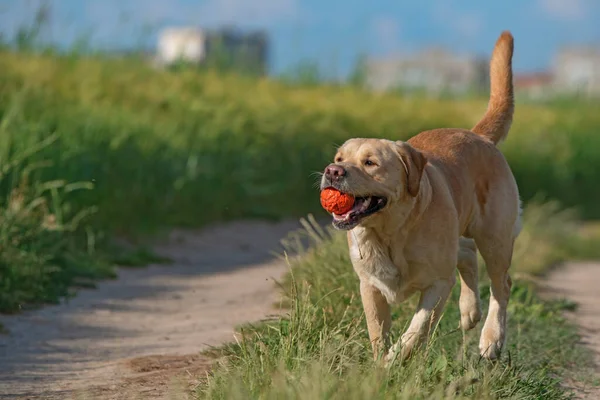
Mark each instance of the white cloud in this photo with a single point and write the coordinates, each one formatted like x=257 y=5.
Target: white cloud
x=564 y=10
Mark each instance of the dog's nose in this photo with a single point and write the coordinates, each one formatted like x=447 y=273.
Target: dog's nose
x=334 y=171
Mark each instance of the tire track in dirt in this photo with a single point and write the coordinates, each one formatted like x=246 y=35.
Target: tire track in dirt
x=140 y=336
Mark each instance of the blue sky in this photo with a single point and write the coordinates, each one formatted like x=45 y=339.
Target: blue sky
x=333 y=31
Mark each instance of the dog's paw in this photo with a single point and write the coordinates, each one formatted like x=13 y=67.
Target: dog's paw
x=491 y=344
x=392 y=354
x=404 y=349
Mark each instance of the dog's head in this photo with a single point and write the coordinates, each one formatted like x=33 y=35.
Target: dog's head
x=379 y=173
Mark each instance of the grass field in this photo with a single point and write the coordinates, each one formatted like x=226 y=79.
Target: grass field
x=91 y=148
x=166 y=148
x=320 y=350
x=162 y=146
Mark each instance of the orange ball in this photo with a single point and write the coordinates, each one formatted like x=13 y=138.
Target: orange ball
x=335 y=201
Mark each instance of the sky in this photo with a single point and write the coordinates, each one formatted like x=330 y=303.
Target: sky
x=331 y=32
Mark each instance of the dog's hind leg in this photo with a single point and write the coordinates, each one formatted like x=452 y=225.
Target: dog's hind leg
x=469 y=303
x=496 y=249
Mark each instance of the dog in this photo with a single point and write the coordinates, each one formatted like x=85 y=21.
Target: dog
x=422 y=210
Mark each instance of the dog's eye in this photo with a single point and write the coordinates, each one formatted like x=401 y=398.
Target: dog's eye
x=369 y=163
x=339 y=159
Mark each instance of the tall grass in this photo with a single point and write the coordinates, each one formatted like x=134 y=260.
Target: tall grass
x=320 y=350
x=184 y=148
x=46 y=247
x=190 y=148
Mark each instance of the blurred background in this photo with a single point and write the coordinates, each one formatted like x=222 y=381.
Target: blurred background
x=432 y=45
x=121 y=118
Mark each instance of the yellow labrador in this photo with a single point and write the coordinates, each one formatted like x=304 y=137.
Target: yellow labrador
x=423 y=208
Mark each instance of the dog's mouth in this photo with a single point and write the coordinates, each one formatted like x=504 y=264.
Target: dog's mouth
x=363 y=207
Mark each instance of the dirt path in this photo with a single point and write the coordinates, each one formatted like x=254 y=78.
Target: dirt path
x=580 y=282
x=142 y=334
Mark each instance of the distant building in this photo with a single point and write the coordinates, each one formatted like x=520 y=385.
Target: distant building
x=181 y=44
x=434 y=70
x=577 y=70
x=222 y=49
x=534 y=85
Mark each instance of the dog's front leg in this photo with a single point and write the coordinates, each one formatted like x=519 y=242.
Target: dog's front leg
x=428 y=313
x=378 y=314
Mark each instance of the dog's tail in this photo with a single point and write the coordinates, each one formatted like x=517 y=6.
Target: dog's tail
x=497 y=120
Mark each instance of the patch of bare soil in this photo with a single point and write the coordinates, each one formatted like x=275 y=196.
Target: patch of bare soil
x=155 y=377
x=580 y=282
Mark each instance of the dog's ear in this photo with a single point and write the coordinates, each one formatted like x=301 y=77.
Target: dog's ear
x=414 y=162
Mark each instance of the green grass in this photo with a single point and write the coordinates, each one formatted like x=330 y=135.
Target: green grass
x=320 y=350
x=44 y=251
x=155 y=143
x=47 y=244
